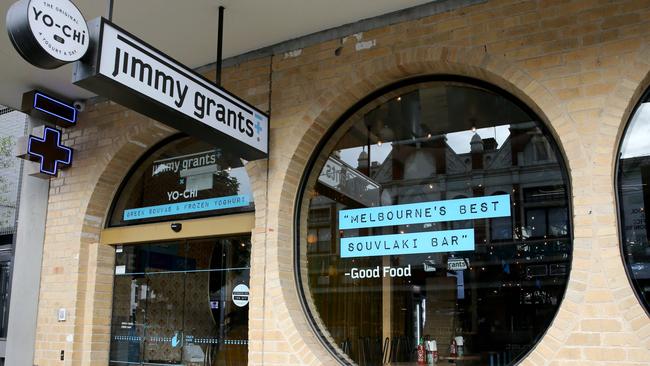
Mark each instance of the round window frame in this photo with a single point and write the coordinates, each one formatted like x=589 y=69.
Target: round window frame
x=356 y=107
x=617 y=197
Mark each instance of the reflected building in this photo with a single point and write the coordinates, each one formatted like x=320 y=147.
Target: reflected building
x=634 y=196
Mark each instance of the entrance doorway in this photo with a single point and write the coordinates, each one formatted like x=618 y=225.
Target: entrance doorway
x=182 y=302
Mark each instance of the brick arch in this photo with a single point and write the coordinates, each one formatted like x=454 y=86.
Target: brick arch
x=628 y=92
x=368 y=77
x=124 y=152
x=136 y=136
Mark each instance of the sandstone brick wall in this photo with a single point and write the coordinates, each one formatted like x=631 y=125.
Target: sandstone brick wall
x=580 y=65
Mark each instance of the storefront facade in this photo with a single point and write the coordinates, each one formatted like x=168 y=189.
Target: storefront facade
x=568 y=76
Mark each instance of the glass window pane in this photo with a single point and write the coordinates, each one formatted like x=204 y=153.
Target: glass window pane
x=536 y=223
x=5 y=284
x=184 y=178
x=501 y=228
x=164 y=318
x=165 y=257
x=440 y=218
x=557 y=221
x=128 y=323
x=634 y=197
x=187 y=305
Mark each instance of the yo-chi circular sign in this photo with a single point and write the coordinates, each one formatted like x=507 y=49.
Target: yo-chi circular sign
x=48 y=33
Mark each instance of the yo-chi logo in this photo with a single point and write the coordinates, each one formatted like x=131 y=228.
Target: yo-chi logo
x=186 y=194
x=59 y=28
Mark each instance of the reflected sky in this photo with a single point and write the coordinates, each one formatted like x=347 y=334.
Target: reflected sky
x=458 y=141
x=636 y=142
x=242 y=178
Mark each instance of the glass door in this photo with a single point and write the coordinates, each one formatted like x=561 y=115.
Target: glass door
x=181 y=303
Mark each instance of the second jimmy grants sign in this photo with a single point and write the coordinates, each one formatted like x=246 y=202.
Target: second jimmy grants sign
x=134 y=74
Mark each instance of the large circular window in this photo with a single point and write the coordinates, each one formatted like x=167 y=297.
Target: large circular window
x=634 y=196
x=434 y=223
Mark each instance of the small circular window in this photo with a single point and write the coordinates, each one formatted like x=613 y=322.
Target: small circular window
x=434 y=224
x=634 y=198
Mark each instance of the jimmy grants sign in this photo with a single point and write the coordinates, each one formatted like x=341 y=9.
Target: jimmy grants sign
x=134 y=74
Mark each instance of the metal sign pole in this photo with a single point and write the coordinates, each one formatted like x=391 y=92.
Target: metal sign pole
x=219 y=46
x=109 y=10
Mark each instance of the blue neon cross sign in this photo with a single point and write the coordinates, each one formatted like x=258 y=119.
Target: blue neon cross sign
x=258 y=127
x=49 y=151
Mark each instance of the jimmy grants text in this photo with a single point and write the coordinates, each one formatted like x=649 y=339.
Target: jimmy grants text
x=204 y=106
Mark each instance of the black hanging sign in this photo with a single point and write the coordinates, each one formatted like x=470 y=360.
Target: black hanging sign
x=129 y=71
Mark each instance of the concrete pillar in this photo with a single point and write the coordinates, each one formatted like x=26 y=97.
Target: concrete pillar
x=28 y=255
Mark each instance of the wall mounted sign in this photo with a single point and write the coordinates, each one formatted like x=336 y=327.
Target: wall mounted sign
x=136 y=75
x=49 y=152
x=48 y=108
x=48 y=33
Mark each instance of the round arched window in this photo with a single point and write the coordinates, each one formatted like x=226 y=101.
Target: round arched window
x=633 y=198
x=182 y=178
x=434 y=222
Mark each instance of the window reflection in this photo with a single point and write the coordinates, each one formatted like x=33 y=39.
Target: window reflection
x=633 y=198
x=182 y=179
x=434 y=143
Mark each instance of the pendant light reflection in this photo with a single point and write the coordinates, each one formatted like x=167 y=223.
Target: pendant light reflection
x=312 y=238
x=385 y=134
